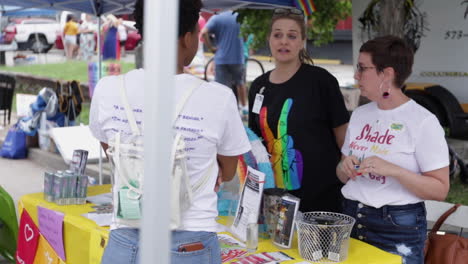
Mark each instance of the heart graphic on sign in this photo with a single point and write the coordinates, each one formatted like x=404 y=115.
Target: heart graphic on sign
x=28 y=233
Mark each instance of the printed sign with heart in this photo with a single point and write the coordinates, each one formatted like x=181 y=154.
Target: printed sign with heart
x=28 y=237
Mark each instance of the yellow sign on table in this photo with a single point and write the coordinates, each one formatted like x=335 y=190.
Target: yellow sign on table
x=84 y=240
x=45 y=254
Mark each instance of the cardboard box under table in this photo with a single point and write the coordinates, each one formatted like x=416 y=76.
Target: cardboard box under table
x=84 y=240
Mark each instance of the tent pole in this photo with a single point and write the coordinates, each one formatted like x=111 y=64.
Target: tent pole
x=99 y=55
x=159 y=65
x=98 y=46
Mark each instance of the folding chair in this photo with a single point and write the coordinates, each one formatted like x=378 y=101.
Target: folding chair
x=7 y=90
x=8 y=226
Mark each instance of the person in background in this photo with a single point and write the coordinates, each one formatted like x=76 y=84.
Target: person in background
x=111 y=45
x=217 y=139
x=394 y=157
x=70 y=32
x=299 y=111
x=229 y=54
x=122 y=30
x=87 y=42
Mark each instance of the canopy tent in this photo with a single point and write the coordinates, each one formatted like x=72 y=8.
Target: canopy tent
x=215 y=5
x=160 y=26
x=94 y=7
x=100 y=7
x=21 y=12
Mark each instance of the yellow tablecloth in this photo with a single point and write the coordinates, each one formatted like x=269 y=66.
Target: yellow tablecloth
x=358 y=253
x=85 y=241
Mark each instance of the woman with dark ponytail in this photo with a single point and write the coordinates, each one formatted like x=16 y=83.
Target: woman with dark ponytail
x=299 y=111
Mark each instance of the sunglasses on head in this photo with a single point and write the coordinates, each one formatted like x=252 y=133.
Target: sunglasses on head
x=288 y=11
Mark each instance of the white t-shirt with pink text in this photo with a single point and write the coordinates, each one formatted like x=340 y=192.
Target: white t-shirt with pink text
x=409 y=136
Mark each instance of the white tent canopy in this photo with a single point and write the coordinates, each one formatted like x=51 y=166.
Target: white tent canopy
x=160 y=26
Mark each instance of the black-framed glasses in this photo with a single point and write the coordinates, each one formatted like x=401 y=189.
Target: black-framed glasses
x=362 y=69
x=288 y=11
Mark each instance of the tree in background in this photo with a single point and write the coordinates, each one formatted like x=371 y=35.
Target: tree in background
x=321 y=23
x=401 y=18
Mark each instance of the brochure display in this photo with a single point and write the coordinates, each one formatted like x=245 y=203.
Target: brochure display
x=287 y=211
x=249 y=203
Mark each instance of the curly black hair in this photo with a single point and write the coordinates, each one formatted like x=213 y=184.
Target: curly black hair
x=189 y=12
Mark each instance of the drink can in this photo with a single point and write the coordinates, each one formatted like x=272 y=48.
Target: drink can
x=82 y=189
x=70 y=193
x=79 y=160
x=49 y=186
x=59 y=188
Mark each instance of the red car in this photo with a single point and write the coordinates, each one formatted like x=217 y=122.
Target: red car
x=8 y=34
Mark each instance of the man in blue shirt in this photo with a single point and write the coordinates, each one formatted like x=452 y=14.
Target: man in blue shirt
x=229 y=54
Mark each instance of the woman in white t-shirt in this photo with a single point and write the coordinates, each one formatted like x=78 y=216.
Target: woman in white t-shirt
x=394 y=157
x=87 y=43
x=214 y=138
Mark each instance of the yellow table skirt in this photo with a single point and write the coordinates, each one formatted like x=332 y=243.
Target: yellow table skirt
x=84 y=240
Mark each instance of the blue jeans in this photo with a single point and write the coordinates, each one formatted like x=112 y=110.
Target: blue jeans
x=122 y=247
x=398 y=229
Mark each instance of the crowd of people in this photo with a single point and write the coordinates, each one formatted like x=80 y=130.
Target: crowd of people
x=79 y=37
x=377 y=165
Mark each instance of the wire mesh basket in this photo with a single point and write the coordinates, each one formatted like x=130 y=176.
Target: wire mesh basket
x=324 y=236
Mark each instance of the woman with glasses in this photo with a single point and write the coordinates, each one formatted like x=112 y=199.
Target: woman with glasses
x=394 y=157
x=299 y=111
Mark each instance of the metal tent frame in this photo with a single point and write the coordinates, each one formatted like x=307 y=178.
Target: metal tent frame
x=160 y=25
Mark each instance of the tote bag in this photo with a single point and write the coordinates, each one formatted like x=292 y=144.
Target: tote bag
x=14 y=146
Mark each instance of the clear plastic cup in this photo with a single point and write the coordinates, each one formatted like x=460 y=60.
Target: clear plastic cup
x=252 y=237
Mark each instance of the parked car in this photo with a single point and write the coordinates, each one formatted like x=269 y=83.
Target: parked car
x=36 y=34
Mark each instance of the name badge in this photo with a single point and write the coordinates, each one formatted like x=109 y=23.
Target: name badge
x=258 y=103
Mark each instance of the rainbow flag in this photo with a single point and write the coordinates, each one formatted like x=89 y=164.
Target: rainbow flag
x=307 y=6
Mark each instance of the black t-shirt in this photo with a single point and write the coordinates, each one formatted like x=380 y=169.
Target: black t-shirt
x=296 y=122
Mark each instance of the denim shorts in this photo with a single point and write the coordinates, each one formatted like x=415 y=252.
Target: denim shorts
x=230 y=75
x=122 y=247
x=398 y=229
